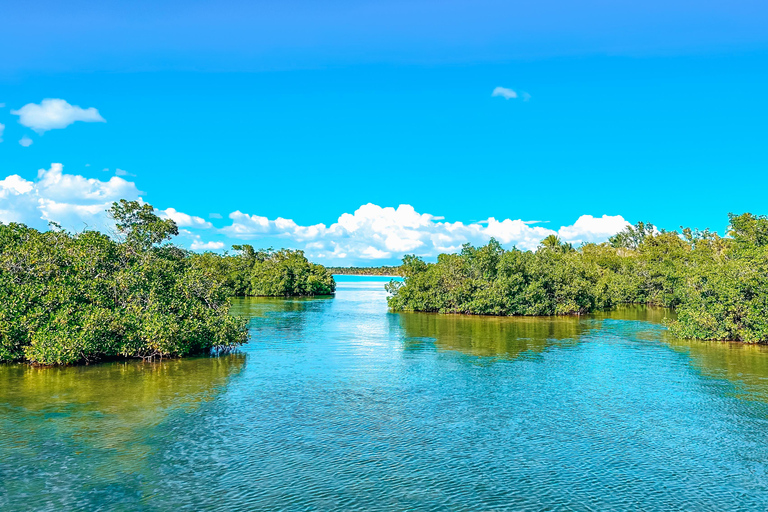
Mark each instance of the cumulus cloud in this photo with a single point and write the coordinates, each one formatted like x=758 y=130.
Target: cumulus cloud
x=199 y=245
x=17 y=200
x=14 y=184
x=25 y=141
x=368 y=234
x=54 y=113
x=73 y=188
x=250 y=226
x=183 y=220
x=592 y=229
x=374 y=232
x=505 y=93
x=72 y=200
x=77 y=203
x=121 y=172
x=2 y=128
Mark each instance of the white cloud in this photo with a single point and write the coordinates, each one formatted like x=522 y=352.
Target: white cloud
x=368 y=234
x=505 y=93
x=77 y=202
x=592 y=229
x=17 y=199
x=26 y=141
x=2 y=127
x=121 y=172
x=71 y=200
x=250 y=226
x=183 y=220
x=215 y=216
x=372 y=253
x=51 y=114
x=56 y=185
x=15 y=184
x=199 y=245
x=375 y=232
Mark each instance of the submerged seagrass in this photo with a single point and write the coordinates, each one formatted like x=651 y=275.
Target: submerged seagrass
x=718 y=286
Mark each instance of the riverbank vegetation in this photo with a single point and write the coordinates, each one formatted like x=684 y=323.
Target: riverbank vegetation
x=267 y=273
x=717 y=285
x=81 y=297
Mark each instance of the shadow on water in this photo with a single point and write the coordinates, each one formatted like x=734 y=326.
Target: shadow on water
x=97 y=422
x=509 y=337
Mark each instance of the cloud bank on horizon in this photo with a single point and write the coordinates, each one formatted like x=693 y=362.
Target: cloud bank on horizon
x=373 y=232
x=369 y=234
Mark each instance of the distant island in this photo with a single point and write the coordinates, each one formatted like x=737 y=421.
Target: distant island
x=367 y=271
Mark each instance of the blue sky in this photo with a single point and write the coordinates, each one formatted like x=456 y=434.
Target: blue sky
x=307 y=111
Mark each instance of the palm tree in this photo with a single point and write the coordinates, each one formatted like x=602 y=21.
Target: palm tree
x=555 y=244
x=552 y=242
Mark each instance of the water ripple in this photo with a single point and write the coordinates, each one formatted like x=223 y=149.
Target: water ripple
x=338 y=405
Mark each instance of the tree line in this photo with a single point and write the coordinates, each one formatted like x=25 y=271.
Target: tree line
x=718 y=286
x=366 y=271
x=82 y=297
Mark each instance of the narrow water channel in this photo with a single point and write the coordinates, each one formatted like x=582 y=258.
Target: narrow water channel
x=337 y=404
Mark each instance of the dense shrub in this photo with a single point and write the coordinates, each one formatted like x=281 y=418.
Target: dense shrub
x=491 y=281
x=67 y=298
x=282 y=273
x=719 y=286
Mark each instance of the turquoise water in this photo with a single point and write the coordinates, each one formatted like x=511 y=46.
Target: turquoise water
x=336 y=404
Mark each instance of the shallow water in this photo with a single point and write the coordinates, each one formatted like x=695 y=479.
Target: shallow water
x=337 y=404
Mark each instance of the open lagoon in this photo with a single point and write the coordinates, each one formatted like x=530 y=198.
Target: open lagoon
x=337 y=404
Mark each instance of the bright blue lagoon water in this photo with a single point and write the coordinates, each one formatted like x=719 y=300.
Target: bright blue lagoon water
x=336 y=404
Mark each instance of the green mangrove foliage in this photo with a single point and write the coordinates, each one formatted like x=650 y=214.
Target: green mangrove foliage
x=267 y=272
x=67 y=298
x=717 y=285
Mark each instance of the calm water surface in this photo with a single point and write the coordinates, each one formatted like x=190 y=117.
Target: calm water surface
x=337 y=404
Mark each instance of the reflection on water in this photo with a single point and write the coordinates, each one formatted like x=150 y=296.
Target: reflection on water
x=336 y=404
x=93 y=424
x=746 y=366
x=488 y=336
x=508 y=337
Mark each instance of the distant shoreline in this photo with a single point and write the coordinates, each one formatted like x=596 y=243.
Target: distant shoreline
x=384 y=271
x=361 y=274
